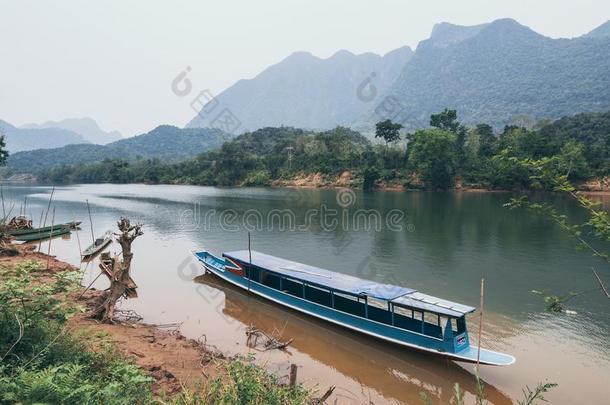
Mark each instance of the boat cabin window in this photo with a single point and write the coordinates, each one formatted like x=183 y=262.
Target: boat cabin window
x=461 y=325
x=318 y=295
x=377 y=303
x=418 y=321
x=431 y=318
x=348 y=303
x=409 y=313
x=292 y=287
x=454 y=327
x=270 y=280
x=252 y=273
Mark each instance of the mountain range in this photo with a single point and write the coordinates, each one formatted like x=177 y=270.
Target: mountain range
x=55 y=134
x=164 y=142
x=86 y=127
x=490 y=73
x=309 y=92
x=20 y=139
x=495 y=72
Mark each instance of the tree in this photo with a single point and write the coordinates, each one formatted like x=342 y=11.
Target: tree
x=487 y=140
x=447 y=120
x=369 y=176
x=3 y=151
x=432 y=154
x=121 y=283
x=572 y=161
x=387 y=130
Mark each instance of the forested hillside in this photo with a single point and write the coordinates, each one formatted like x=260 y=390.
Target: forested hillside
x=442 y=156
x=497 y=72
x=165 y=142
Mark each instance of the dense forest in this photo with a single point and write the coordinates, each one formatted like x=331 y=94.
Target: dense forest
x=445 y=155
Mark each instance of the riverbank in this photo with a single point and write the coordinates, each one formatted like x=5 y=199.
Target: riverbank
x=347 y=179
x=174 y=365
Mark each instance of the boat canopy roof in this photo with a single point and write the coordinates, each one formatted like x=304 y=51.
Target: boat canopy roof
x=429 y=303
x=315 y=275
x=352 y=285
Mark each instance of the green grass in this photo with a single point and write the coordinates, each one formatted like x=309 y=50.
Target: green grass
x=42 y=363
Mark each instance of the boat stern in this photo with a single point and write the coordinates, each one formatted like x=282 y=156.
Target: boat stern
x=485 y=357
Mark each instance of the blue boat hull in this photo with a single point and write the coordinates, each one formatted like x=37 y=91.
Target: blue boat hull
x=405 y=338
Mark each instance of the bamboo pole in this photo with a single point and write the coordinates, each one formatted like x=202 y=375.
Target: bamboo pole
x=47 y=213
x=480 y=323
x=80 y=250
x=2 y=195
x=250 y=258
x=601 y=284
x=50 y=238
x=90 y=222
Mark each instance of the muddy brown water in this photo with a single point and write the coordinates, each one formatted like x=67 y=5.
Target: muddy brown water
x=438 y=243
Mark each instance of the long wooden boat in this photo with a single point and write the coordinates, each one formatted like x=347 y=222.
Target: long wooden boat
x=391 y=313
x=42 y=235
x=98 y=245
x=27 y=231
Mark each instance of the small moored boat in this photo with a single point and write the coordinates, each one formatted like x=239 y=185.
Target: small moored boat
x=29 y=237
x=98 y=245
x=392 y=313
x=27 y=231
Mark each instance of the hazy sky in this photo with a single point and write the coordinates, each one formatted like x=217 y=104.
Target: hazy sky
x=114 y=60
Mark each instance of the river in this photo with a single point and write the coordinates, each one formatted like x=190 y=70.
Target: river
x=440 y=243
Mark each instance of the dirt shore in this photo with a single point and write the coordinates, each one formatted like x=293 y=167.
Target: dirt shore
x=167 y=356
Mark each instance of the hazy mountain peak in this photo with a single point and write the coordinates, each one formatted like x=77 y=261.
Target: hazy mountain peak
x=20 y=139
x=88 y=128
x=342 y=53
x=5 y=126
x=306 y=91
x=603 y=31
x=445 y=34
x=300 y=56
x=403 y=50
x=508 y=26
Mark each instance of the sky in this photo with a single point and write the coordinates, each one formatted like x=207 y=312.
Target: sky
x=114 y=61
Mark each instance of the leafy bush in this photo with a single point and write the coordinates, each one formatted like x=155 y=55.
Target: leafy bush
x=43 y=363
x=247 y=383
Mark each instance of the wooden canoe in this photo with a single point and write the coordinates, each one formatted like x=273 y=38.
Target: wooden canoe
x=42 y=235
x=27 y=231
x=99 y=244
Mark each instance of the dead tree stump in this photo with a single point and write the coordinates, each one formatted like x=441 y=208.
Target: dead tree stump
x=117 y=269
